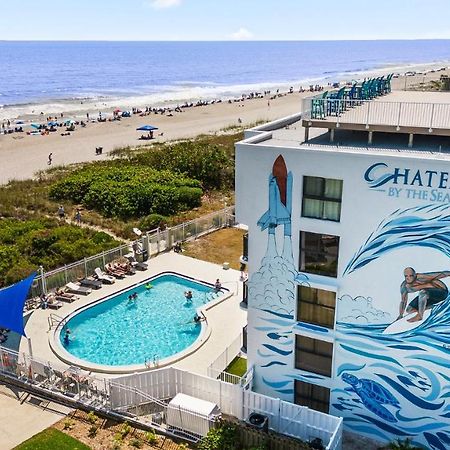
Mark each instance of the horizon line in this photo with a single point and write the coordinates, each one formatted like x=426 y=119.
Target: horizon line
x=227 y=40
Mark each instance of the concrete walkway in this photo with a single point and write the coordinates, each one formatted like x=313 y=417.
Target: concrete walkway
x=22 y=416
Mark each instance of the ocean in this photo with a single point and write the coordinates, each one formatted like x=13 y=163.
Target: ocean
x=81 y=76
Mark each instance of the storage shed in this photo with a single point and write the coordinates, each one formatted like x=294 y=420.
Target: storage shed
x=191 y=415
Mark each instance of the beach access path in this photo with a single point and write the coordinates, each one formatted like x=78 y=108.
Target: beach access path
x=22 y=155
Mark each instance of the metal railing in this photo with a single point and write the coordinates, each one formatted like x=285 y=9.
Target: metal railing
x=217 y=369
x=154 y=242
x=369 y=112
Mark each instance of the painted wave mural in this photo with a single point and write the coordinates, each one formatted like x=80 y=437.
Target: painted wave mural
x=403 y=387
x=386 y=385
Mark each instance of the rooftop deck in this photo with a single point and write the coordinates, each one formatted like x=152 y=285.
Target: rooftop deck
x=397 y=112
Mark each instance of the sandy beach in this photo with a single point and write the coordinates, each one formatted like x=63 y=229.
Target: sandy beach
x=22 y=155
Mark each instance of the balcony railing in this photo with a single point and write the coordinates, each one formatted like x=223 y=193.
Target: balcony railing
x=431 y=116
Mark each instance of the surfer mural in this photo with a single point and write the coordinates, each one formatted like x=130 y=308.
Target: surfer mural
x=272 y=289
x=395 y=381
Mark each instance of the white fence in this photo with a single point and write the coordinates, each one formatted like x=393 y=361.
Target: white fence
x=285 y=418
x=154 y=242
x=143 y=398
x=217 y=368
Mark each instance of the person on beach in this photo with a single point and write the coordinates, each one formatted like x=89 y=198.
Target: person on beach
x=50 y=159
x=61 y=212
x=78 y=217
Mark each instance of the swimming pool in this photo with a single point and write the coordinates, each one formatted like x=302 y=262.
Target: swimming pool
x=156 y=325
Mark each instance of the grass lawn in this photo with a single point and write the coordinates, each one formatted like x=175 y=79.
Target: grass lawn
x=237 y=367
x=52 y=439
x=218 y=247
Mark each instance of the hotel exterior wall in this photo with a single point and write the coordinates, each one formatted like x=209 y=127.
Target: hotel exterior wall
x=383 y=395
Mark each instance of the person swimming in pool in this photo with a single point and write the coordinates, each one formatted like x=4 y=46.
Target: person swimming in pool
x=188 y=295
x=198 y=319
x=431 y=290
x=66 y=338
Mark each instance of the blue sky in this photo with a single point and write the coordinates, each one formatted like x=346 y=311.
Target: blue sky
x=224 y=19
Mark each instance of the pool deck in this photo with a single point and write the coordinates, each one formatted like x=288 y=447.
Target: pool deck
x=225 y=320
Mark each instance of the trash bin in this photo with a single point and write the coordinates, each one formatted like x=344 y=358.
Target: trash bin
x=144 y=255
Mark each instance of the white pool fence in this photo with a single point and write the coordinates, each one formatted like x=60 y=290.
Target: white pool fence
x=218 y=367
x=153 y=242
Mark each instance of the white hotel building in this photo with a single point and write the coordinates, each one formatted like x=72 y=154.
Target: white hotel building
x=348 y=211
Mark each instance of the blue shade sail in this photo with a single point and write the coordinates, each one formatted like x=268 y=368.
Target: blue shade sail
x=12 y=301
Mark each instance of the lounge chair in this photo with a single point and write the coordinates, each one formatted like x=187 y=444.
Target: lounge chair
x=114 y=272
x=93 y=284
x=65 y=296
x=77 y=289
x=53 y=303
x=126 y=268
x=104 y=277
x=137 y=265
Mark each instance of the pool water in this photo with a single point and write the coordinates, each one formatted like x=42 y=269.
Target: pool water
x=157 y=324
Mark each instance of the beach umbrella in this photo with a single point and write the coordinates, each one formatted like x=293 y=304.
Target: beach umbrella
x=52 y=124
x=69 y=122
x=146 y=128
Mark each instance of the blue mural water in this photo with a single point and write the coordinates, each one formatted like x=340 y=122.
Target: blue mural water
x=420 y=226
x=402 y=389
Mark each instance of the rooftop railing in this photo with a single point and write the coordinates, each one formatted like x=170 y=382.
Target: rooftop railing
x=431 y=116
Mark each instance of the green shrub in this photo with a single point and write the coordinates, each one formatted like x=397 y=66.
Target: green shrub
x=68 y=424
x=129 y=191
x=92 y=418
x=125 y=430
x=221 y=438
x=136 y=443
x=211 y=164
x=25 y=245
x=92 y=432
x=400 y=444
x=151 y=437
x=152 y=221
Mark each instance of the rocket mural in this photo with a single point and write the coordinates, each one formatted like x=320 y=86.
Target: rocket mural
x=280 y=199
x=272 y=291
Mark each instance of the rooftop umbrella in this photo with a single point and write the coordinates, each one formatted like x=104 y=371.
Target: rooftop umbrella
x=146 y=128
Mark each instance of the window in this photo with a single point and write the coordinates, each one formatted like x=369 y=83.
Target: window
x=313 y=355
x=319 y=253
x=316 y=306
x=322 y=198
x=312 y=396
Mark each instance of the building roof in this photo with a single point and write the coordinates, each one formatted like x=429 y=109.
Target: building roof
x=392 y=118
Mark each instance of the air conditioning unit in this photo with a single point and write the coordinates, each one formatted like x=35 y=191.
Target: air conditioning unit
x=258 y=421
